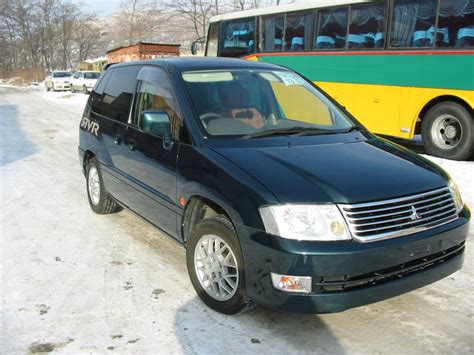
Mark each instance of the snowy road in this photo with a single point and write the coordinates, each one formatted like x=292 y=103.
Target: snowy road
x=76 y=282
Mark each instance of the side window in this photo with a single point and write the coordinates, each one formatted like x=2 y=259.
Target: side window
x=238 y=37
x=272 y=33
x=366 y=26
x=94 y=98
x=212 y=38
x=155 y=92
x=118 y=93
x=332 y=28
x=298 y=31
x=413 y=23
x=455 y=24
x=75 y=76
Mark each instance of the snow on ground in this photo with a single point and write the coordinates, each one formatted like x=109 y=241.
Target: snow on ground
x=76 y=282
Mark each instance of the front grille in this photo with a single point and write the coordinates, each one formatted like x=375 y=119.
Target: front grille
x=350 y=282
x=373 y=221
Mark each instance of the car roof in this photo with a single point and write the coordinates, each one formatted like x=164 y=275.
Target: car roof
x=201 y=63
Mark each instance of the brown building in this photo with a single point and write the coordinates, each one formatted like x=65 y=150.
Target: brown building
x=142 y=51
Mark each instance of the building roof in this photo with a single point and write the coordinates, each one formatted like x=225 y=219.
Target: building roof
x=95 y=60
x=299 y=6
x=144 y=43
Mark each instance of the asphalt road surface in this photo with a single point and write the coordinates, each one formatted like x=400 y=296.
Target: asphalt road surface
x=76 y=282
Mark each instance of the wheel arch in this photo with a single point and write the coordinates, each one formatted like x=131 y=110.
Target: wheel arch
x=436 y=100
x=198 y=208
x=88 y=155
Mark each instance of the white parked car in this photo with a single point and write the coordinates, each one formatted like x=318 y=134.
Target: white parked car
x=58 y=80
x=84 y=81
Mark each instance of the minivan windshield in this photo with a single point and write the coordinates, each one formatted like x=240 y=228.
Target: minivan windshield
x=91 y=75
x=257 y=103
x=61 y=74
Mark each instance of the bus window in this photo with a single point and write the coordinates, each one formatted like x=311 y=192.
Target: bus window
x=332 y=28
x=273 y=33
x=298 y=31
x=455 y=24
x=238 y=37
x=366 y=26
x=211 y=50
x=413 y=23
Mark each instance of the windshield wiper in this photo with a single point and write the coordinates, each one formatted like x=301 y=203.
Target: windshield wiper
x=297 y=130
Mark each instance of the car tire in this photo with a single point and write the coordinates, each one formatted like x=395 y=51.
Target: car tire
x=72 y=89
x=84 y=90
x=224 y=294
x=448 y=131
x=99 y=199
x=47 y=87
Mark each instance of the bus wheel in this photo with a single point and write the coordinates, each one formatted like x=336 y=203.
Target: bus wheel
x=448 y=131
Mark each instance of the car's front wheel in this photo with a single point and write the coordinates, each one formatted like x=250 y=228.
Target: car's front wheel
x=216 y=266
x=84 y=90
x=99 y=199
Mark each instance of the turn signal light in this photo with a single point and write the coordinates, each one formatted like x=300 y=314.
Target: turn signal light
x=290 y=283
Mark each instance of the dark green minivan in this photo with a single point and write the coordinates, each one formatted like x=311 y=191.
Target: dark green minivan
x=295 y=207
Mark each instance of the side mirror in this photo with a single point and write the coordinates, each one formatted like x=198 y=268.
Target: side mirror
x=194 y=48
x=157 y=123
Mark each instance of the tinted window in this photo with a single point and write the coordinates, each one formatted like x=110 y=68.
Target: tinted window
x=156 y=93
x=272 y=33
x=332 y=28
x=298 y=31
x=91 y=75
x=213 y=36
x=366 y=29
x=61 y=74
x=94 y=98
x=118 y=93
x=413 y=23
x=238 y=37
x=455 y=24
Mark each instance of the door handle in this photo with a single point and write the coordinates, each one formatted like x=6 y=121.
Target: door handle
x=131 y=144
x=118 y=139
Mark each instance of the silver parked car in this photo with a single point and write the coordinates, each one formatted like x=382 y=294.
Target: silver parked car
x=84 y=81
x=58 y=80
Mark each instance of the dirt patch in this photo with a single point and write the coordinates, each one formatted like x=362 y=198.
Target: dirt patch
x=128 y=285
x=42 y=309
x=157 y=292
x=36 y=348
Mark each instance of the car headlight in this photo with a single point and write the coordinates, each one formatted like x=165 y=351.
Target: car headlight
x=305 y=222
x=456 y=195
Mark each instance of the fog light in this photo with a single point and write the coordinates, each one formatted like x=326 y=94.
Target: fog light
x=291 y=283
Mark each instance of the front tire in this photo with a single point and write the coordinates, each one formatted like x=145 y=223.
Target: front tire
x=216 y=266
x=99 y=199
x=448 y=131
x=84 y=90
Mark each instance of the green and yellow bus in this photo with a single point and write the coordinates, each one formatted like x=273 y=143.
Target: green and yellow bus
x=402 y=67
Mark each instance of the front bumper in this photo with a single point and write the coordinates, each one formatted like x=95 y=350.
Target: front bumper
x=350 y=274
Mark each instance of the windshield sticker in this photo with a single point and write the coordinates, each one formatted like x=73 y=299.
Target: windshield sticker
x=290 y=78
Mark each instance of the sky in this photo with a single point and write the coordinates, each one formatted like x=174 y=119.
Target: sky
x=108 y=7
x=100 y=7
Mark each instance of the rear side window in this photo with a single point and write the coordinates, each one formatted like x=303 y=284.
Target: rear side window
x=94 y=98
x=118 y=93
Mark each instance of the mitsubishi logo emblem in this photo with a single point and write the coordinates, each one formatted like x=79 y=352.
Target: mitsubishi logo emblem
x=414 y=214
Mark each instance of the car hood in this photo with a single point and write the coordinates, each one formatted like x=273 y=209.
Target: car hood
x=346 y=172
x=62 y=79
